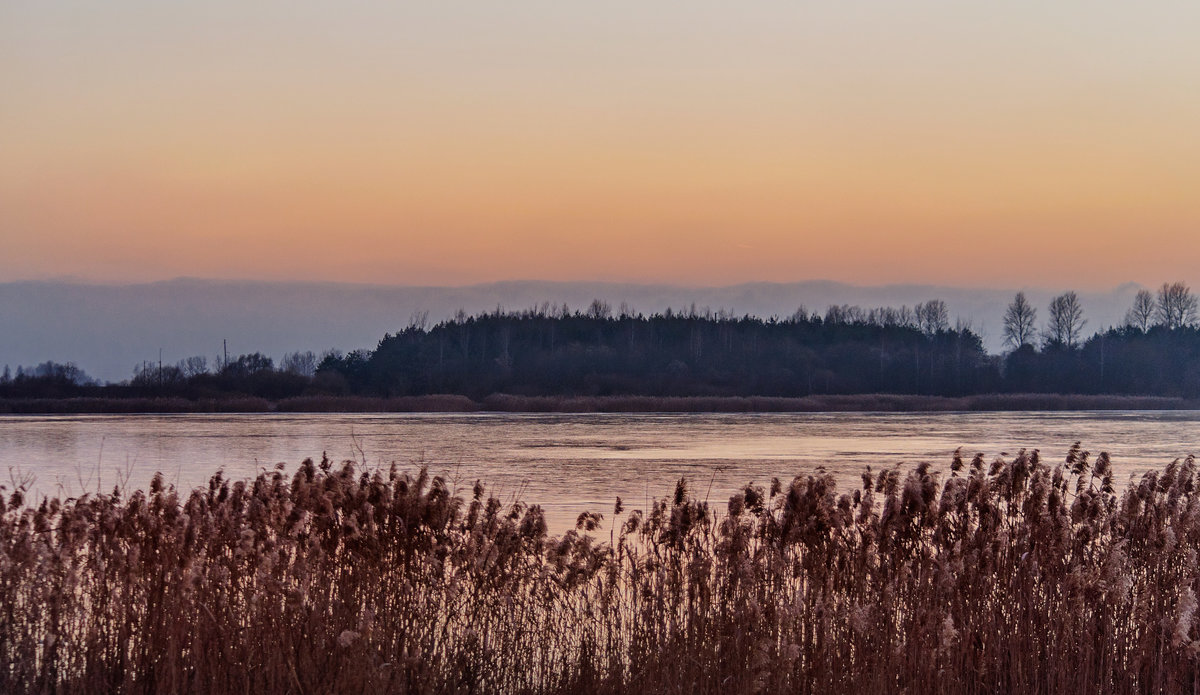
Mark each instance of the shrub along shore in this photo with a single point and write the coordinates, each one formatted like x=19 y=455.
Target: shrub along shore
x=1015 y=575
x=448 y=403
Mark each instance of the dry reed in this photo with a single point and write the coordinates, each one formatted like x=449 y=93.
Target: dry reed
x=1014 y=575
x=451 y=403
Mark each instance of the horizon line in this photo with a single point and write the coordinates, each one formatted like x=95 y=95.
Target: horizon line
x=76 y=281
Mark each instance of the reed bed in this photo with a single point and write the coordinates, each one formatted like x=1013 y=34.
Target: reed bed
x=501 y=402
x=862 y=402
x=102 y=405
x=1013 y=575
x=435 y=403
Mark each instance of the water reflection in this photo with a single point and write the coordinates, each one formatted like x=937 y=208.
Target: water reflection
x=569 y=463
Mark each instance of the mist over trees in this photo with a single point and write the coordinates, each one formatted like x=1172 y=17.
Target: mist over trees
x=109 y=329
x=551 y=350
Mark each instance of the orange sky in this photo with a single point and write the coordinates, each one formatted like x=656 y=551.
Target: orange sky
x=462 y=142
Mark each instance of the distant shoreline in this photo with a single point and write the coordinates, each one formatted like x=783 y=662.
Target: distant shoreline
x=508 y=403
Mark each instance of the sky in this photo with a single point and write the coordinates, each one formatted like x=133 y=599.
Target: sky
x=703 y=143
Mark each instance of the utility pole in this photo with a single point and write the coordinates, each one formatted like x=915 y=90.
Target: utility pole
x=225 y=349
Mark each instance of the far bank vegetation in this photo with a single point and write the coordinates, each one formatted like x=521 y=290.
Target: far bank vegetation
x=616 y=357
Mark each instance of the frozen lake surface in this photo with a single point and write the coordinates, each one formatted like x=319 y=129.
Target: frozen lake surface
x=569 y=463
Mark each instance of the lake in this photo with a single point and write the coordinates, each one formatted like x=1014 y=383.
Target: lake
x=570 y=463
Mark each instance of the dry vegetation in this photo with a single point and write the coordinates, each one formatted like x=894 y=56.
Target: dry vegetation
x=65 y=406
x=1008 y=576
x=500 y=402
x=861 y=402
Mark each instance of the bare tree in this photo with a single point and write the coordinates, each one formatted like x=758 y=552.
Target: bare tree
x=1176 y=306
x=419 y=320
x=800 y=315
x=599 y=310
x=884 y=316
x=932 y=317
x=846 y=314
x=1066 y=320
x=193 y=366
x=1019 y=321
x=1141 y=314
x=299 y=363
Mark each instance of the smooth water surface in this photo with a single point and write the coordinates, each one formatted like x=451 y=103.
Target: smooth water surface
x=569 y=463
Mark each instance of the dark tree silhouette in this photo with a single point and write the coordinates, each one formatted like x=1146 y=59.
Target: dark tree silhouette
x=552 y=351
x=1019 y=322
x=932 y=317
x=1141 y=314
x=1176 y=307
x=1066 y=321
x=697 y=352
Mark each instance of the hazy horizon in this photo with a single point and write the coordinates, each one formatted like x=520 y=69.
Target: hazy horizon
x=296 y=177
x=109 y=329
x=247 y=280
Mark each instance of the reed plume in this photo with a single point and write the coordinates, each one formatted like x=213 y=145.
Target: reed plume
x=1010 y=575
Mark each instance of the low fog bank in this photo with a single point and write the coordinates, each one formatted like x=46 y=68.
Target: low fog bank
x=109 y=330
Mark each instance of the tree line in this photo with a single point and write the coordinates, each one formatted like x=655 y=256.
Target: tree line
x=551 y=350
x=1156 y=351
x=253 y=374
x=597 y=352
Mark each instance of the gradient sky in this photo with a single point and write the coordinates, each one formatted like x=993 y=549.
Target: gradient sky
x=990 y=144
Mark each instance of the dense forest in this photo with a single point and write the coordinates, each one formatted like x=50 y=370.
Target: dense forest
x=553 y=351
x=673 y=354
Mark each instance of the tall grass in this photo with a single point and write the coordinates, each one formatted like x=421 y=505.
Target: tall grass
x=501 y=402
x=862 y=402
x=63 y=406
x=1014 y=576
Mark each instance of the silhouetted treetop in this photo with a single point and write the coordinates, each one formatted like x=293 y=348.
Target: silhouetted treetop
x=551 y=350
x=1176 y=306
x=693 y=352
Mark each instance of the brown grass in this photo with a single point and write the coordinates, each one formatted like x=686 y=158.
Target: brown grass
x=451 y=403
x=865 y=402
x=1009 y=576
x=437 y=403
x=72 y=406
